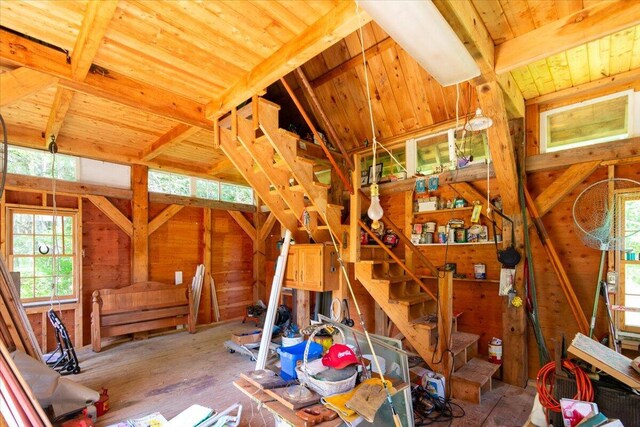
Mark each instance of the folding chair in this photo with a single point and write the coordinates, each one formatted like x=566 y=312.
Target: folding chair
x=63 y=359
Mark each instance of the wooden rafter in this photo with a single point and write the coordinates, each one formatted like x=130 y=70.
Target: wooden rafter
x=164 y=216
x=59 y=108
x=589 y=24
x=22 y=82
x=108 y=84
x=170 y=139
x=329 y=29
x=244 y=223
x=563 y=185
x=113 y=213
x=356 y=61
x=220 y=166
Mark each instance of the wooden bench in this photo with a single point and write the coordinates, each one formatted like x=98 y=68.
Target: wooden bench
x=140 y=307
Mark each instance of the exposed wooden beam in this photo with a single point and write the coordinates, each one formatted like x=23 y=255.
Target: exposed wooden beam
x=614 y=83
x=140 y=222
x=164 y=216
x=468 y=25
x=563 y=185
x=59 y=108
x=313 y=100
x=22 y=82
x=610 y=151
x=33 y=183
x=221 y=166
x=171 y=199
x=331 y=28
x=356 y=61
x=244 y=224
x=97 y=17
x=267 y=226
x=591 y=23
x=113 y=213
x=105 y=84
x=170 y=139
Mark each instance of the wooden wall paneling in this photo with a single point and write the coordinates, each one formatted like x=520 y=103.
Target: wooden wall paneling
x=140 y=222
x=259 y=254
x=79 y=276
x=532 y=123
x=112 y=213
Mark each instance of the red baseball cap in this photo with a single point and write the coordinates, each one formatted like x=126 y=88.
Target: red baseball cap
x=339 y=356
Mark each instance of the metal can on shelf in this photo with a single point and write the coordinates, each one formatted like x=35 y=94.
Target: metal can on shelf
x=461 y=235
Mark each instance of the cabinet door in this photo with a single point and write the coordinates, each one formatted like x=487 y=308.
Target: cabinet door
x=291 y=271
x=310 y=267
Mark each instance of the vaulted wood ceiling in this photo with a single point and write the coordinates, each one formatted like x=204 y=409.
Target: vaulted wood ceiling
x=162 y=70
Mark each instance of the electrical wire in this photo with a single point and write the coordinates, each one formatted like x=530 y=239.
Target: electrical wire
x=429 y=409
x=545 y=381
x=54 y=261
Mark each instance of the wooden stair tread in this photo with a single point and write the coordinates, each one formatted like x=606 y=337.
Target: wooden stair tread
x=477 y=371
x=462 y=340
x=300 y=188
x=425 y=322
x=411 y=299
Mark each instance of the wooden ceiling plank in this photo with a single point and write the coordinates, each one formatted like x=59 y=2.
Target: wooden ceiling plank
x=244 y=223
x=328 y=30
x=599 y=57
x=94 y=25
x=494 y=19
x=22 y=82
x=568 y=7
x=164 y=216
x=578 y=62
x=563 y=185
x=635 y=55
x=112 y=212
x=220 y=166
x=525 y=82
x=621 y=49
x=59 y=108
x=168 y=140
x=109 y=85
x=355 y=61
x=617 y=81
x=518 y=15
x=589 y=24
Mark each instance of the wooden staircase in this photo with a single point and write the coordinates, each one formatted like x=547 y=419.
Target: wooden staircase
x=268 y=158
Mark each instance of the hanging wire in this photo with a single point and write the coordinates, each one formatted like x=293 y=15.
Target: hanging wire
x=366 y=80
x=55 y=265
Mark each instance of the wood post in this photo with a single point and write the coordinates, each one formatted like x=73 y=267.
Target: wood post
x=259 y=258
x=302 y=305
x=207 y=260
x=445 y=323
x=140 y=221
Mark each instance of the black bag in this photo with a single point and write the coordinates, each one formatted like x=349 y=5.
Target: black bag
x=509 y=257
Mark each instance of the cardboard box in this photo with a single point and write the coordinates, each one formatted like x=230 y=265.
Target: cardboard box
x=429 y=205
x=247 y=337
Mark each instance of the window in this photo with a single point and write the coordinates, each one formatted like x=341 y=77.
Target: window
x=183 y=185
x=602 y=119
x=389 y=166
x=25 y=161
x=433 y=153
x=32 y=252
x=630 y=260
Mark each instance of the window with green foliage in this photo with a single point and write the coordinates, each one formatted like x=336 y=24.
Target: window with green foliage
x=25 y=161
x=389 y=165
x=433 y=152
x=630 y=260
x=603 y=119
x=44 y=256
x=183 y=185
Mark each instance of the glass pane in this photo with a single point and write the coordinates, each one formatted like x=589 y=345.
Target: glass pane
x=22 y=224
x=44 y=266
x=65 y=266
x=631 y=279
x=24 y=265
x=589 y=122
x=26 y=287
x=68 y=245
x=324 y=177
x=44 y=245
x=473 y=147
x=66 y=167
x=632 y=242
x=44 y=224
x=389 y=165
x=68 y=226
x=632 y=319
x=169 y=183
x=65 y=286
x=433 y=152
x=38 y=163
x=207 y=189
x=44 y=286
x=22 y=245
x=236 y=194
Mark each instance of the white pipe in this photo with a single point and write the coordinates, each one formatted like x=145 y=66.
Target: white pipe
x=274 y=299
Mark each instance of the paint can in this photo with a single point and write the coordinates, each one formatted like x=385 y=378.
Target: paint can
x=430 y=226
x=461 y=235
x=428 y=238
x=495 y=351
x=480 y=271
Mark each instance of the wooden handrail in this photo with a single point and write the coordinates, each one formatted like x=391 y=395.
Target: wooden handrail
x=396 y=259
x=405 y=240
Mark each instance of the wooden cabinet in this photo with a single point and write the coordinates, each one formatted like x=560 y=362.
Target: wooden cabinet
x=312 y=267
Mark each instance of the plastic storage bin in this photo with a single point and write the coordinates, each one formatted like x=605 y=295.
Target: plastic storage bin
x=289 y=357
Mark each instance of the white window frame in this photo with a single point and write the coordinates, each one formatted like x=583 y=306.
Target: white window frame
x=629 y=94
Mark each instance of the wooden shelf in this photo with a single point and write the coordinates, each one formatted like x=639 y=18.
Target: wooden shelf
x=466 y=208
x=455 y=244
x=465 y=279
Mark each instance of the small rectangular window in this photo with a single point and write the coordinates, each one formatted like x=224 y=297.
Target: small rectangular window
x=433 y=152
x=207 y=189
x=598 y=120
x=236 y=194
x=169 y=183
x=389 y=165
x=25 y=161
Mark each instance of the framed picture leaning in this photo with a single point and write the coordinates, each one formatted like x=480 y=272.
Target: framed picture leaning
x=378 y=172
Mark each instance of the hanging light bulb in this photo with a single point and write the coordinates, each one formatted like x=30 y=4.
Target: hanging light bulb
x=478 y=122
x=375 y=211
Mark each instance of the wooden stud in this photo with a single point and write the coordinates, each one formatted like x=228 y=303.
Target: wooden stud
x=79 y=259
x=563 y=185
x=244 y=223
x=267 y=226
x=259 y=254
x=140 y=222
x=22 y=82
x=302 y=305
x=445 y=322
x=164 y=216
x=326 y=31
x=216 y=133
x=589 y=24
x=113 y=213
x=207 y=259
x=59 y=108
x=382 y=320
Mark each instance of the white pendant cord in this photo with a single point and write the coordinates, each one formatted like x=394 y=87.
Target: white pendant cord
x=488 y=181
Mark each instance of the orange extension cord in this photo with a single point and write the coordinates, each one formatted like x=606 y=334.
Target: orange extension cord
x=546 y=380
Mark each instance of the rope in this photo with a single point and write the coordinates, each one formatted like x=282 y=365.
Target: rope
x=55 y=265
x=545 y=382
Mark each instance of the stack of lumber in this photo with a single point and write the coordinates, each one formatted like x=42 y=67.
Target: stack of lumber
x=196 y=288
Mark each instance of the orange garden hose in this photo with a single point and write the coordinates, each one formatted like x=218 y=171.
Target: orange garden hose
x=546 y=380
